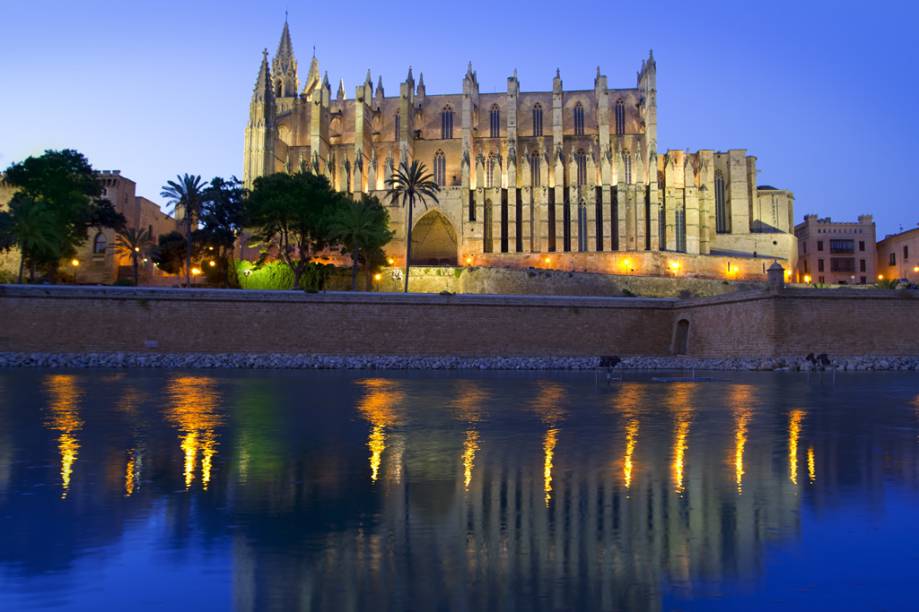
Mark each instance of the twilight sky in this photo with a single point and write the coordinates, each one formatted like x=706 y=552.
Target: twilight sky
x=823 y=93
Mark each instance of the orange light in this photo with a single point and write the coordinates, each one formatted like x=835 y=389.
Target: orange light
x=627 y=264
x=75 y=263
x=915 y=268
x=377 y=277
x=390 y=260
x=469 y=260
x=807 y=278
x=674 y=266
x=547 y=260
x=195 y=271
x=880 y=277
x=212 y=263
x=137 y=249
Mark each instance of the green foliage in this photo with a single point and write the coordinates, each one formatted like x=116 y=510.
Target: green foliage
x=170 y=253
x=290 y=215
x=186 y=195
x=268 y=276
x=57 y=200
x=222 y=220
x=410 y=183
x=887 y=283
x=134 y=243
x=362 y=230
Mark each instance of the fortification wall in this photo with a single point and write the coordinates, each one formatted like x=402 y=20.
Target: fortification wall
x=791 y=322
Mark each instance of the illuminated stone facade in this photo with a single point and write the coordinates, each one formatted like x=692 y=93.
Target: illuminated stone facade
x=557 y=171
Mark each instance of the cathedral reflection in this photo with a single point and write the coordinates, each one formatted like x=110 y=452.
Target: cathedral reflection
x=679 y=401
x=64 y=418
x=795 y=417
x=548 y=405
x=379 y=403
x=194 y=402
x=741 y=397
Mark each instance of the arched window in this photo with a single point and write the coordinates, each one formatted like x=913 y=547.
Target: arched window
x=440 y=169
x=446 y=123
x=578 y=119
x=398 y=124
x=722 y=221
x=620 y=116
x=535 y=176
x=494 y=121
x=493 y=175
x=627 y=167
x=100 y=244
x=537 y=120
x=580 y=159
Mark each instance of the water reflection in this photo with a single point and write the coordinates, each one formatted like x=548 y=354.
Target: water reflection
x=65 y=418
x=485 y=492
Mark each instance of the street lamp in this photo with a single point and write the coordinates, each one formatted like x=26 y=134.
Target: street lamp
x=75 y=264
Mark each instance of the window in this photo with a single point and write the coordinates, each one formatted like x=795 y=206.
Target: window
x=842 y=246
x=679 y=218
x=494 y=121
x=537 y=120
x=578 y=119
x=842 y=264
x=398 y=125
x=627 y=162
x=805 y=267
x=861 y=245
x=893 y=258
x=100 y=244
x=535 y=177
x=905 y=252
x=863 y=280
x=440 y=169
x=620 y=116
x=820 y=245
x=722 y=221
x=580 y=159
x=862 y=265
x=493 y=171
x=446 y=123
x=819 y=265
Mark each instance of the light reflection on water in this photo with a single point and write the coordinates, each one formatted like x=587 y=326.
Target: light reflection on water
x=394 y=491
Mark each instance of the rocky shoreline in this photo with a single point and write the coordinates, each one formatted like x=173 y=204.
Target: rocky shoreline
x=381 y=362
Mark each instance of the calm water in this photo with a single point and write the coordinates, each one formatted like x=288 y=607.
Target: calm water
x=341 y=491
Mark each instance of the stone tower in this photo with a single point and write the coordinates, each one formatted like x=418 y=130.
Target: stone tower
x=284 y=67
x=258 y=158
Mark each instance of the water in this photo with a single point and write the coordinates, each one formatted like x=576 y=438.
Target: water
x=396 y=491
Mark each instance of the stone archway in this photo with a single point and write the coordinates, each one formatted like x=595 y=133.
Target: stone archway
x=434 y=241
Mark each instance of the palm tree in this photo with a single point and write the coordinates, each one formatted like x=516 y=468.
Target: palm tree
x=33 y=227
x=132 y=241
x=408 y=183
x=186 y=195
x=361 y=227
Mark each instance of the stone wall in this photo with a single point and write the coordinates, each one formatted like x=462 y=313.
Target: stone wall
x=791 y=322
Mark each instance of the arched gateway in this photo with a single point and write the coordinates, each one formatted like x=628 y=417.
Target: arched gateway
x=434 y=240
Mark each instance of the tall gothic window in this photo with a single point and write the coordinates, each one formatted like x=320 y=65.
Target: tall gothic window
x=398 y=124
x=578 y=119
x=446 y=123
x=494 y=121
x=580 y=159
x=440 y=169
x=722 y=222
x=535 y=176
x=620 y=116
x=627 y=167
x=537 y=120
x=100 y=244
x=493 y=174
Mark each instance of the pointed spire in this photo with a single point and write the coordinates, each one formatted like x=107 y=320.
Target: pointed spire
x=262 y=90
x=312 y=79
x=325 y=80
x=469 y=69
x=341 y=89
x=379 y=91
x=420 y=92
x=284 y=65
x=368 y=79
x=410 y=78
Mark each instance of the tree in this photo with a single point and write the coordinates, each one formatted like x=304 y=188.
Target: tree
x=186 y=196
x=57 y=201
x=362 y=228
x=169 y=255
x=289 y=215
x=222 y=220
x=411 y=182
x=133 y=242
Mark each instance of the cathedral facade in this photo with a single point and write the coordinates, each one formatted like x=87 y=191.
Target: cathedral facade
x=569 y=179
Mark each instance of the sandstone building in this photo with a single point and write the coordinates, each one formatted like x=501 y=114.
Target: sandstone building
x=836 y=252
x=563 y=178
x=898 y=256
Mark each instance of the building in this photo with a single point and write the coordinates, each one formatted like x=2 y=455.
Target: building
x=836 y=252
x=97 y=260
x=571 y=179
x=898 y=256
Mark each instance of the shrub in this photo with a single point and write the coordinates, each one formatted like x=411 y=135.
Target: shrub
x=274 y=275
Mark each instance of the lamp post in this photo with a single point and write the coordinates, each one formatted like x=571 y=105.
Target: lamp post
x=75 y=264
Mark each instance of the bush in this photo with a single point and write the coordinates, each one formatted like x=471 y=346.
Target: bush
x=275 y=275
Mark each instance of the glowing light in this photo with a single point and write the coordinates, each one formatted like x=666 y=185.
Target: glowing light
x=880 y=277
x=807 y=278
x=740 y=441
x=137 y=249
x=469 y=260
x=548 y=447
x=212 y=263
x=794 y=434
x=627 y=263
x=547 y=260
x=470 y=446
x=193 y=410
x=390 y=260
x=381 y=396
x=195 y=271
x=65 y=418
x=132 y=473
x=631 y=440
x=811 y=465
x=674 y=266
x=377 y=277
x=915 y=268
x=75 y=263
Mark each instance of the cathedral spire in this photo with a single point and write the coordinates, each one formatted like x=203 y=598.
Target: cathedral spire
x=262 y=91
x=420 y=92
x=284 y=66
x=341 y=89
x=312 y=79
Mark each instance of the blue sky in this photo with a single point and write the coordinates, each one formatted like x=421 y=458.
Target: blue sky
x=823 y=93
